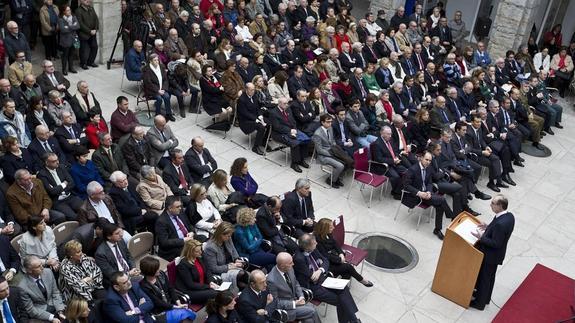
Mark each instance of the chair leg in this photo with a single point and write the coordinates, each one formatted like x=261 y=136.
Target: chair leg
x=418 y=221
x=370 y=197
x=397 y=211
x=350 y=188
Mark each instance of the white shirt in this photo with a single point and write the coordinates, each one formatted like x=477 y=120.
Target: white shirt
x=245 y=32
x=206 y=210
x=500 y=213
x=113 y=248
x=102 y=210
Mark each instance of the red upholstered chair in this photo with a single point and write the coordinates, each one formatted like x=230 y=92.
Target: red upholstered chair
x=353 y=255
x=363 y=175
x=420 y=205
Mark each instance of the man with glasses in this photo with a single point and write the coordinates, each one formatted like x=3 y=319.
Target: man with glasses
x=14 y=42
x=19 y=69
x=126 y=302
x=51 y=80
x=173 y=229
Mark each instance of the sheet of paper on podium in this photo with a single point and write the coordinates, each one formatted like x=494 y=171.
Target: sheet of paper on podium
x=335 y=283
x=464 y=230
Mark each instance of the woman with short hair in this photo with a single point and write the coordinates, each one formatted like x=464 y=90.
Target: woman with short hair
x=80 y=277
x=202 y=213
x=39 y=241
x=248 y=240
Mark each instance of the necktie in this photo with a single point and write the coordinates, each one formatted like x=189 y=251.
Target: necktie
x=457 y=110
x=303 y=208
x=402 y=138
x=421 y=67
x=288 y=280
x=109 y=153
x=120 y=259
x=7 y=313
x=506 y=118
x=363 y=93
x=53 y=80
x=327 y=134
x=71 y=131
x=390 y=149
x=40 y=284
x=460 y=144
x=423 y=188
x=47 y=147
x=163 y=136
x=444 y=116
x=477 y=136
x=313 y=263
x=181 y=226
x=285 y=116
x=410 y=66
x=183 y=181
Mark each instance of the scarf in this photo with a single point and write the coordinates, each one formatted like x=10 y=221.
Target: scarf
x=53 y=16
x=40 y=116
x=82 y=102
x=561 y=64
x=158 y=73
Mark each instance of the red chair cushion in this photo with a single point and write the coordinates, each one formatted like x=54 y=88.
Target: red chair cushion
x=372 y=180
x=196 y=307
x=171 y=271
x=354 y=255
x=315 y=302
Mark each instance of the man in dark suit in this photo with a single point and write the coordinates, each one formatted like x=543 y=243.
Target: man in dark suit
x=358 y=85
x=136 y=151
x=44 y=143
x=14 y=93
x=256 y=304
x=431 y=80
x=268 y=218
x=342 y=132
x=113 y=255
x=10 y=261
x=399 y=100
x=292 y=56
x=108 y=158
x=200 y=162
x=440 y=115
x=89 y=235
x=297 y=82
x=418 y=59
x=297 y=208
x=59 y=185
x=177 y=176
x=284 y=287
x=418 y=185
x=444 y=33
x=401 y=141
x=455 y=106
x=246 y=70
x=387 y=161
x=284 y=130
x=407 y=63
x=368 y=51
x=172 y=229
x=310 y=75
x=13 y=309
x=504 y=121
x=40 y=296
x=492 y=242
x=51 y=79
x=70 y=136
x=304 y=113
x=130 y=205
x=311 y=269
x=250 y=118
x=126 y=302
x=346 y=59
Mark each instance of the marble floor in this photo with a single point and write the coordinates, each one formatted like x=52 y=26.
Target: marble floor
x=541 y=203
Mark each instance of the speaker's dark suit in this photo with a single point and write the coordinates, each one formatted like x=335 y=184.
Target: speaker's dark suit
x=493 y=244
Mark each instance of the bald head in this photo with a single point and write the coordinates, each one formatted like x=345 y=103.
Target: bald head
x=159 y=121
x=283 y=258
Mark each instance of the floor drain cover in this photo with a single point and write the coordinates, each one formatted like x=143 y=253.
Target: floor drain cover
x=388 y=252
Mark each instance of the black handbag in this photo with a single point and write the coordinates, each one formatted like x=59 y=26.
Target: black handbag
x=563 y=75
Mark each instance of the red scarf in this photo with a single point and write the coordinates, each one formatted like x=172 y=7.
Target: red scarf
x=561 y=64
x=215 y=83
x=388 y=109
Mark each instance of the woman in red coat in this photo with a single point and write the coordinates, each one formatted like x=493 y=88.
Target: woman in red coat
x=95 y=127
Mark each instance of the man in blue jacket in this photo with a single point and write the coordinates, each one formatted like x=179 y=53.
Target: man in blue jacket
x=126 y=302
x=133 y=62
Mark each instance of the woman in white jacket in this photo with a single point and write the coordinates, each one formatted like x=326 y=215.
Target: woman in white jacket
x=542 y=60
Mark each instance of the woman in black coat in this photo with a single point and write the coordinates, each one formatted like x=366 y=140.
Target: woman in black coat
x=192 y=277
x=156 y=85
x=155 y=285
x=180 y=86
x=37 y=115
x=420 y=131
x=69 y=26
x=328 y=247
x=15 y=158
x=221 y=309
x=213 y=99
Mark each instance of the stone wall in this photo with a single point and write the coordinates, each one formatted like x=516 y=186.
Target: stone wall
x=386 y=5
x=110 y=18
x=512 y=25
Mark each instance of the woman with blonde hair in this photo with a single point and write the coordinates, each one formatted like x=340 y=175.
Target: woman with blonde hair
x=220 y=190
x=202 y=213
x=80 y=276
x=78 y=311
x=192 y=276
x=223 y=259
x=249 y=242
x=329 y=248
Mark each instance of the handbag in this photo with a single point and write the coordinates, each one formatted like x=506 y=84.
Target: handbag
x=563 y=75
x=76 y=42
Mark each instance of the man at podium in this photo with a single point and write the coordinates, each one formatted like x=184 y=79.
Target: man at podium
x=492 y=242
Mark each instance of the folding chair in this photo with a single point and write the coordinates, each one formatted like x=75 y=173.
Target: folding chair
x=273 y=146
x=420 y=205
x=15 y=242
x=362 y=174
x=142 y=98
x=140 y=246
x=64 y=230
x=249 y=135
x=171 y=272
x=324 y=168
x=138 y=83
x=353 y=255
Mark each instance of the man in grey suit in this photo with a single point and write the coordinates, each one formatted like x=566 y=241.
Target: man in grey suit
x=40 y=296
x=284 y=287
x=161 y=140
x=323 y=141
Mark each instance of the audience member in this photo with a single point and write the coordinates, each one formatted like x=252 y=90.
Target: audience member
x=177 y=176
x=136 y=151
x=162 y=140
x=126 y=302
x=172 y=229
x=15 y=158
x=325 y=146
x=221 y=308
x=297 y=208
x=89 y=25
x=20 y=68
x=113 y=256
x=83 y=103
x=52 y=80
x=248 y=239
x=15 y=41
x=80 y=277
x=153 y=190
x=10 y=296
x=70 y=136
x=192 y=276
x=155 y=83
x=83 y=172
x=201 y=213
x=123 y=120
x=219 y=193
x=200 y=162
x=12 y=123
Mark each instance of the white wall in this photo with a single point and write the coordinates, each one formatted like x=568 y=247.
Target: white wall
x=568 y=23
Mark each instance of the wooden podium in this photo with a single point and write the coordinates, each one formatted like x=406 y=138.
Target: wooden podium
x=458 y=265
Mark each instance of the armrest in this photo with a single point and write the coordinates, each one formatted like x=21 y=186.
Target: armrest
x=369 y=162
x=552 y=89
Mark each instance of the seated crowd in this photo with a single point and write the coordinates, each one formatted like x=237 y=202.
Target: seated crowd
x=430 y=109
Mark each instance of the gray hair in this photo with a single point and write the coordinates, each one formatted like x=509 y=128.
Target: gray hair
x=92 y=187
x=146 y=170
x=302 y=182
x=80 y=83
x=158 y=42
x=492 y=103
x=306 y=240
x=28 y=260
x=20 y=173
x=117 y=176
x=54 y=94
x=396 y=84
x=254 y=274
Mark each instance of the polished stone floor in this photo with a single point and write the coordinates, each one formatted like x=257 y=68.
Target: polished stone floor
x=541 y=203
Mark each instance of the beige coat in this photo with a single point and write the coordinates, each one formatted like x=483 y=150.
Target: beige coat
x=568 y=63
x=154 y=193
x=16 y=73
x=45 y=20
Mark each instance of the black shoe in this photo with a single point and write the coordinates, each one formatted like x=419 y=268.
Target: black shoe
x=93 y=65
x=493 y=187
x=511 y=170
x=482 y=196
x=501 y=184
x=549 y=131
x=469 y=210
x=396 y=197
x=507 y=179
x=257 y=150
x=73 y=71
x=536 y=145
x=330 y=183
x=438 y=233
x=470 y=196
x=367 y=284
x=519 y=158
x=64 y=73
x=476 y=306
x=84 y=67
x=269 y=149
x=296 y=168
x=304 y=164
x=339 y=182
x=518 y=163
x=543 y=134
x=171 y=117
x=558 y=125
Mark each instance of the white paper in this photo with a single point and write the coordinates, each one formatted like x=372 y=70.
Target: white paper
x=335 y=283
x=318 y=51
x=224 y=286
x=464 y=230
